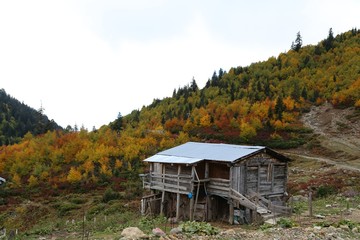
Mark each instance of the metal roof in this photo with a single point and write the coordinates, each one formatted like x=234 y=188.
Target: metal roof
x=172 y=159
x=192 y=152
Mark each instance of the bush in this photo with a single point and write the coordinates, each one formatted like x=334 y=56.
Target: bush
x=348 y=223
x=147 y=224
x=285 y=223
x=193 y=227
x=325 y=190
x=64 y=208
x=109 y=195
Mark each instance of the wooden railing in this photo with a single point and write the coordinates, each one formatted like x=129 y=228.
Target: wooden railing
x=167 y=182
x=262 y=201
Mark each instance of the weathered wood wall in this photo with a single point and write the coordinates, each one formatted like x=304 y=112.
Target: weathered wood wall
x=261 y=174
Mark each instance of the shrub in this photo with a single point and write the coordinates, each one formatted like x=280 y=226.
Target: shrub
x=193 y=227
x=285 y=223
x=325 y=190
x=110 y=194
x=64 y=208
x=348 y=223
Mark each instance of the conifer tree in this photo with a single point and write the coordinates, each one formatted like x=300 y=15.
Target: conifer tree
x=298 y=43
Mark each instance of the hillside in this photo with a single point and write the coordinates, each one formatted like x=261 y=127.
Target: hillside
x=262 y=103
x=305 y=103
x=17 y=119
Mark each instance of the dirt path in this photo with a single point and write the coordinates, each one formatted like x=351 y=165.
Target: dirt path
x=325 y=160
x=338 y=133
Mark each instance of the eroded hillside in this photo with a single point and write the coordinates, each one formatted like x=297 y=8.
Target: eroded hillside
x=336 y=133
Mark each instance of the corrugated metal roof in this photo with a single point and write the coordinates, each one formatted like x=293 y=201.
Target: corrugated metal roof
x=205 y=151
x=158 y=158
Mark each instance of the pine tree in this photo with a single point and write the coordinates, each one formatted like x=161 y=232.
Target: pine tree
x=329 y=41
x=298 y=43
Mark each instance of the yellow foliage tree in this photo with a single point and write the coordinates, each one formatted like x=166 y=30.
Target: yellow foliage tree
x=74 y=175
x=118 y=164
x=289 y=103
x=33 y=181
x=247 y=131
x=16 y=180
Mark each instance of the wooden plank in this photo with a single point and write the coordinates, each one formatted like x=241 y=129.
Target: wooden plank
x=211 y=186
x=218 y=193
x=171 y=175
x=169 y=190
x=220 y=180
x=167 y=185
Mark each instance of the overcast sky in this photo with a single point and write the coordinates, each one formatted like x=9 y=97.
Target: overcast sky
x=86 y=61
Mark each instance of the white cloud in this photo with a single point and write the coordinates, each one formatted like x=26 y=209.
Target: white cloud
x=86 y=65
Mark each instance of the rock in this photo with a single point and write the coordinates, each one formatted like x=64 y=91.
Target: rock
x=271 y=221
x=344 y=227
x=158 y=232
x=175 y=231
x=229 y=232
x=298 y=198
x=132 y=233
x=317 y=227
x=355 y=230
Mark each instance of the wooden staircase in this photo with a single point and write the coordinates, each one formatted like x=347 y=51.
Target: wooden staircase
x=256 y=206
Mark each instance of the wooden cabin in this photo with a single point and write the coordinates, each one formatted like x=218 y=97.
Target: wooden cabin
x=211 y=182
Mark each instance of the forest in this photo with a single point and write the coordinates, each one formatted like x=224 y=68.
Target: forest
x=257 y=104
x=17 y=119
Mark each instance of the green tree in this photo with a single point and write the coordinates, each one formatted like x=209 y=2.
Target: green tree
x=117 y=125
x=194 y=87
x=329 y=41
x=298 y=43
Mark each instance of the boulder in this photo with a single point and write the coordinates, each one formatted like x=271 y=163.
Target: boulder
x=132 y=233
x=158 y=232
x=176 y=230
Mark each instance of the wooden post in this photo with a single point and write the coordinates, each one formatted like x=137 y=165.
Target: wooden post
x=310 y=204
x=192 y=189
x=253 y=216
x=208 y=209
x=206 y=170
x=272 y=176
x=150 y=177
x=208 y=201
x=245 y=178
x=178 y=195
x=231 y=212
x=163 y=192
x=258 y=179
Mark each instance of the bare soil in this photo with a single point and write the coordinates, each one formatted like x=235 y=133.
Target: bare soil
x=336 y=136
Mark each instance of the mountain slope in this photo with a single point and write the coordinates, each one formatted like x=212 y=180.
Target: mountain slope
x=16 y=119
x=262 y=103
